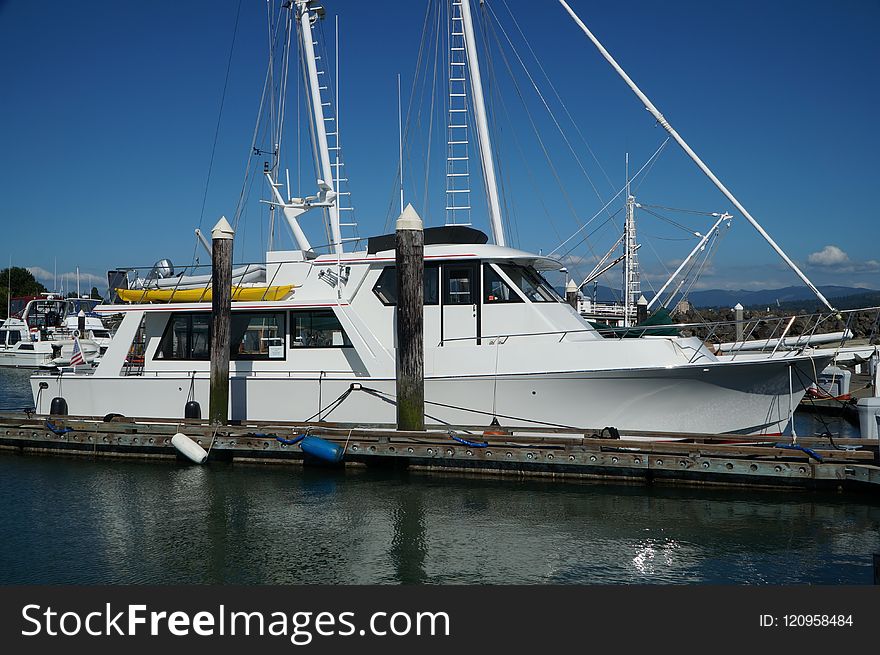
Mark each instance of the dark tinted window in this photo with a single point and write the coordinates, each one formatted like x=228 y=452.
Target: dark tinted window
x=187 y=336
x=386 y=286
x=253 y=335
x=495 y=289
x=460 y=283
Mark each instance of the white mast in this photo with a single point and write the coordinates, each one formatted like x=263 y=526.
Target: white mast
x=485 y=142
x=305 y=18
x=699 y=162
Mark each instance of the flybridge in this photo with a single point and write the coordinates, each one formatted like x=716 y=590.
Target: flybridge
x=446 y=234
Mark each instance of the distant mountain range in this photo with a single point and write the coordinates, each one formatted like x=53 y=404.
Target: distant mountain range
x=725 y=298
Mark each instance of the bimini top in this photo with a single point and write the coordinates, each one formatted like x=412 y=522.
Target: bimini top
x=446 y=234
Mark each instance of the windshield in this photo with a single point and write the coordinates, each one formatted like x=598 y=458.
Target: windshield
x=530 y=282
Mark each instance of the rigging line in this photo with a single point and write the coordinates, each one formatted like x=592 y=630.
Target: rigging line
x=219 y=115
x=529 y=172
x=407 y=147
x=508 y=214
x=249 y=162
x=613 y=198
x=431 y=117
x=595 y=229
x=282 y=92
x=556 y=93
x=687 y=229
x=547 y=107
x=543 y=146
x=716 y=241
x=684 y=211
x=650 y=168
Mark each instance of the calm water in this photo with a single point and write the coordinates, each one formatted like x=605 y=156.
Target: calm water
x=81 y=521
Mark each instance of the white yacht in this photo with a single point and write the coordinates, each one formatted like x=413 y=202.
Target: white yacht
x=499 y=342
x=39 y=334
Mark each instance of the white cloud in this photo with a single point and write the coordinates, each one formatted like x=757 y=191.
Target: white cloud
x=829 y=256
x=68 y=279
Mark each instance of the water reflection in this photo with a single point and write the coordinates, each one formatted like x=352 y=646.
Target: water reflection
x=82 y=521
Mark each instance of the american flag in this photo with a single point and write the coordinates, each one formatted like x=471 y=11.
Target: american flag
x=77 y=359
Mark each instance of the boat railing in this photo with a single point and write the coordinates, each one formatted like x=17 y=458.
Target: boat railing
x=766 y=332
x=147 y=279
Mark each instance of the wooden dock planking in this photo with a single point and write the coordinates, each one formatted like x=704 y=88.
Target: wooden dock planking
x=704 y=459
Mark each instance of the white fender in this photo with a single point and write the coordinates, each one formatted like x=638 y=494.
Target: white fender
x=189 y=448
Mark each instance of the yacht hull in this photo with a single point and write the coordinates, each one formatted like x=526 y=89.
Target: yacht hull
x=721 y=397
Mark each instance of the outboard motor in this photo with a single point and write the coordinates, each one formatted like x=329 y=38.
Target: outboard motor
x=161 y=270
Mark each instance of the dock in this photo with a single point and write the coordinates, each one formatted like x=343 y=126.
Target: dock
x=649 y=457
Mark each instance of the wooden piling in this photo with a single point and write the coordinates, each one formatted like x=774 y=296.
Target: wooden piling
x=738 y=308
x=221 y=318
x=81 y=324
x=410 y=250
x=641 y=310
x=571 y=294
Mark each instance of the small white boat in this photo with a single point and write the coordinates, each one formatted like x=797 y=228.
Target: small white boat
x=41 y=336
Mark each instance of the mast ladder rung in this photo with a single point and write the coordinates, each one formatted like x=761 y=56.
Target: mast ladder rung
x=452 y=126
x=457 y=174
x=456 y=159
x=456 y=143
x=457 y=49
x=458 y=190
x=454 y=208
x=457 y=111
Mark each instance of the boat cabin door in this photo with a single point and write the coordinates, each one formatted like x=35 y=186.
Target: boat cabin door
x=460 y=309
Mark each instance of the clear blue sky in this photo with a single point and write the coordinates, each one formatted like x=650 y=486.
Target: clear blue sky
x=108 y=112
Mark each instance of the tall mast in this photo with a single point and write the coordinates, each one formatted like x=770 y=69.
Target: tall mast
x=305 y=19
x=482 y=125
x=690 y=153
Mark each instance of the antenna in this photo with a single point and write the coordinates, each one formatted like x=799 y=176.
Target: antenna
x=400 y=141
x=9 y=290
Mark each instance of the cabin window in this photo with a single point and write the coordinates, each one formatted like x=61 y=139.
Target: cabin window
x=532 y=284
x=257 y=335
x=13 y=335
x=253 y=336
x=495 y=289
x=317 y=328
x=386 y=286
x=460 y=285
x=187 y=336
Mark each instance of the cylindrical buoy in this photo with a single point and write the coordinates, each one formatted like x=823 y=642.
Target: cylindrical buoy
x=189 y=448
x=58 y=407
x=192 y=410
x=322 y=449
